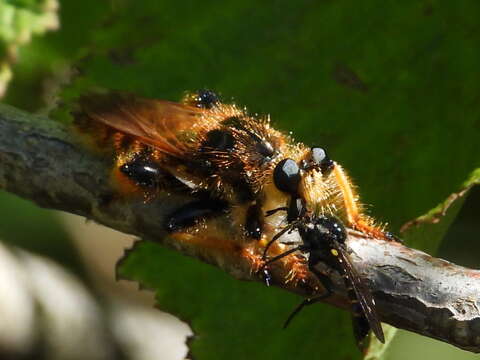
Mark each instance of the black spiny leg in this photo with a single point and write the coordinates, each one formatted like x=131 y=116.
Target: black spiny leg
x=190 y=214
x=266 y=274
x=327 y=284
x=393 y=237
x=253 y=222
x=148 y=175
x=143 y=172
x=274 y=211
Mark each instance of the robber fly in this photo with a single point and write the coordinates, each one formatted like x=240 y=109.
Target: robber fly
x=237 y=166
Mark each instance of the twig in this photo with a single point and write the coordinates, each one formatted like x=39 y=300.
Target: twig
x=43 y=161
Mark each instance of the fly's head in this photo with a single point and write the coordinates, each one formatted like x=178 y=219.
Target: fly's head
x=310 y=181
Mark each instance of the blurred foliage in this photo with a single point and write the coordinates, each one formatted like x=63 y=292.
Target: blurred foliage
x=237 y=320
x=36 y=230
x=40 y=300
x=45 y=63
x=438 y=220
x=462 y=241
x=19 y=21
x=392 y=92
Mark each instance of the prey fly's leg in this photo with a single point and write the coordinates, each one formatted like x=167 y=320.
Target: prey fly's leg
x=327 y=284
x=264 y=269
x=274 y=211
x=288 y=228
x=392 y=237
x=303 y=304
x=275 y=238
x=282 y=255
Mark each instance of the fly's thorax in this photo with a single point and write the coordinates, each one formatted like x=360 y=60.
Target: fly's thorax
x=323 y=232
x=322 y=195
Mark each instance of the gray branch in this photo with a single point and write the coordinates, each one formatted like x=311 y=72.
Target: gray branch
x=43 y=161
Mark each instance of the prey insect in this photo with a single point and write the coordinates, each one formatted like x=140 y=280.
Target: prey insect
x=239 y=173
x=323 y=238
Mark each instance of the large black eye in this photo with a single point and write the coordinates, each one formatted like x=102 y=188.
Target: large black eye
x=286 y=176
x=320 y=158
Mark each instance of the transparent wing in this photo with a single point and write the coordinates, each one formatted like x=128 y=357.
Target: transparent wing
x=362 y=292
x=158 y=123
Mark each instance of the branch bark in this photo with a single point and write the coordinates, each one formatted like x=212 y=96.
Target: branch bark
x=42 y=161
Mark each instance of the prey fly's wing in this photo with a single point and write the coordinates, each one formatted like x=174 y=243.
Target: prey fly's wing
x=361 y=293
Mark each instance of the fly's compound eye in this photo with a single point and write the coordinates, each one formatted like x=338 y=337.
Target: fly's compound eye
x=286 y=176
x=206 y=99
x=321 y=159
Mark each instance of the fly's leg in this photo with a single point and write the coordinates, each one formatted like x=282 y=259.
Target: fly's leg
x=303 y=304
x=266 y=274
x=393 y=237
x=274 y=211
x=138 y=170
x=327 y=284
x=143 y=172
x=253 y=222
x=275 y=238
x=356 y=218
x=192 y=213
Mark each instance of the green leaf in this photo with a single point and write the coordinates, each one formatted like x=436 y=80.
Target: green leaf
x=390 y=90
x=19 y=21
x=24 y=225
x=44 y=64
x=377 y=350
x=233 y=319
x=437 y=220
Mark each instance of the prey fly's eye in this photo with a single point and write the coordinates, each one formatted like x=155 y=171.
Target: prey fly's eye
x=286 y=176
x=321 y=159
x=207 y=99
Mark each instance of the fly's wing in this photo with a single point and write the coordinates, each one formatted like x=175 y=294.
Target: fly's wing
x=362 y=293
x=154 y=122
